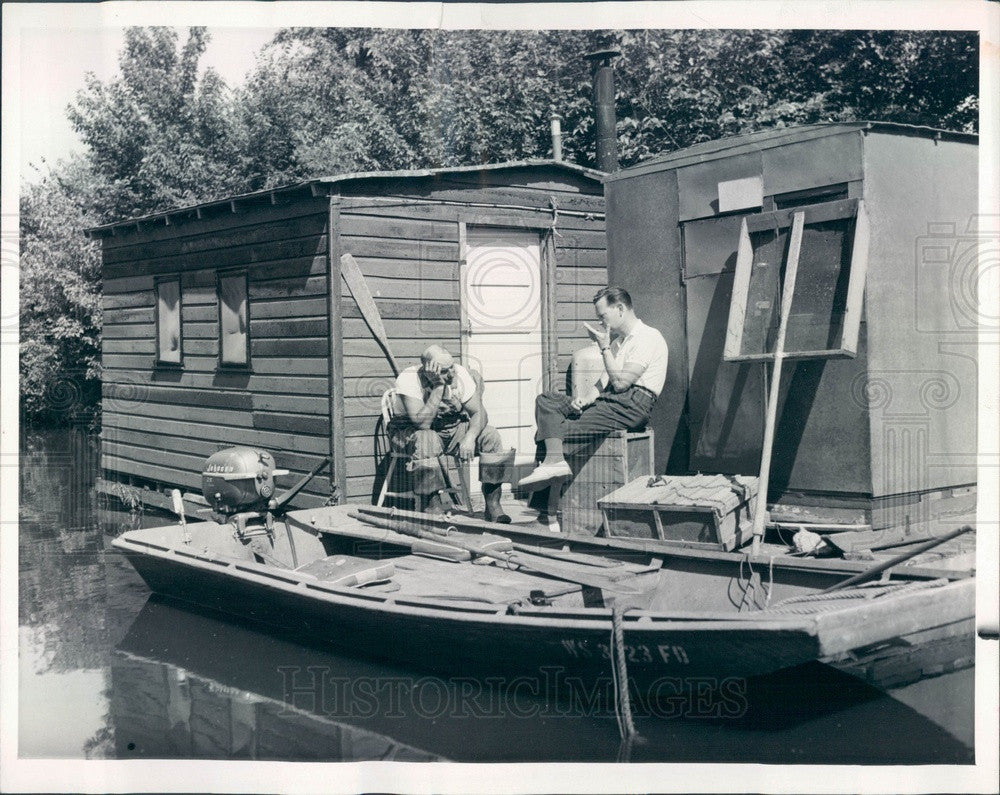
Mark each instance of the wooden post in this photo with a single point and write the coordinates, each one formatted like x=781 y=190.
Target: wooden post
x=770 y=421
x=338 y=448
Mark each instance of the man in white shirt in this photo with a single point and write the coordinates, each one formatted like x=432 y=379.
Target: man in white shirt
x=442 y=411
x=635 y=367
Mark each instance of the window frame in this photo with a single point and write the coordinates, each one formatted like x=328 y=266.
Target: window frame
x=158 y=359
x=780 y=219
x=243 y=366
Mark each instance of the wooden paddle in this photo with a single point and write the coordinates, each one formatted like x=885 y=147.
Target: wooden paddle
x=355 y=279
x=624 y=583
x=878 y=568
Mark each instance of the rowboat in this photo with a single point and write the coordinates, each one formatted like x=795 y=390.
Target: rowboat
x=508 y=600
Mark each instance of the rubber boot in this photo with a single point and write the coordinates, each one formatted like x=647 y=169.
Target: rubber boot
x=494 y=513
x=432 y=503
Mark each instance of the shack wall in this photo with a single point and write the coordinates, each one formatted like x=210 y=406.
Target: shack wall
x=160 y=423
x=922 y=196
x=644 y=257
x=405 y=239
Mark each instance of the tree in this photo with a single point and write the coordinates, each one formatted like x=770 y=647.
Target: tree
x=159 y=135
x=60 y=296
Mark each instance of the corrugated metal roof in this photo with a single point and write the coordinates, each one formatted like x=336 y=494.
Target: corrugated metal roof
x=777 y=136
x=339 y=179
x=723 y=494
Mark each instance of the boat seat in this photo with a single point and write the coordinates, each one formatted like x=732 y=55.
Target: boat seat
x=348 y=571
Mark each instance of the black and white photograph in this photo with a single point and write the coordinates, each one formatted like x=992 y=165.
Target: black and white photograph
x=509 y=398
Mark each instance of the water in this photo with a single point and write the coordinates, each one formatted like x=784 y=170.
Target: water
x=107 y=671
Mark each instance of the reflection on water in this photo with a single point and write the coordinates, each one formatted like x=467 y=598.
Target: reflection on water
x=107 y=671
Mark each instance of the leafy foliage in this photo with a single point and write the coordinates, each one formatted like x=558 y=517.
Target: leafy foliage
x=60 y=297
x=166 y=132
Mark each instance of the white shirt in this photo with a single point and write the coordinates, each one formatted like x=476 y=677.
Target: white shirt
x=643 y=347
x=456 y=394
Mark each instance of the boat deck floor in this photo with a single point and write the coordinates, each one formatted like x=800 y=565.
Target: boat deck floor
x=480 y=583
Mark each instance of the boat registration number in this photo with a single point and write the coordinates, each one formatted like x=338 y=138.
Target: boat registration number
x=634 y=652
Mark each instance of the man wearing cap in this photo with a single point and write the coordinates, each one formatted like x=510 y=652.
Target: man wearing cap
x=443 y=413
x=635 y=367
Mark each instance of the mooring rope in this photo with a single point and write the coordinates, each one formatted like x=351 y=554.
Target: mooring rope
x=619 y=674
x=810 y=603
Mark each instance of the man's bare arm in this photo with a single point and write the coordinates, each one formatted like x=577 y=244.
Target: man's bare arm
x=422 y=414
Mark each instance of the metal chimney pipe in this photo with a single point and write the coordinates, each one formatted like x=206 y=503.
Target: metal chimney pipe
x=556 y=137
x=603 y=72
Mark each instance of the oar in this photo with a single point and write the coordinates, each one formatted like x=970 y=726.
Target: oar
x=366 y=304
x=877 y=569
x=624 y=583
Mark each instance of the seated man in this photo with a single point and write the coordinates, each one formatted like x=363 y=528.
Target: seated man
x=635 y=368
x=444 y=413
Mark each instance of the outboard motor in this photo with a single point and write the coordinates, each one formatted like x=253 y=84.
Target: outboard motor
x=238 y=484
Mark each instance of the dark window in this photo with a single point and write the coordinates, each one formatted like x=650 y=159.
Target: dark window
x=827 y=244
x=234 y=320
x=802 y=198
x=168 y=320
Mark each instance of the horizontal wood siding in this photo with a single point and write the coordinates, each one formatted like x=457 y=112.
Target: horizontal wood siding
x=161 y=424
x=408 y=251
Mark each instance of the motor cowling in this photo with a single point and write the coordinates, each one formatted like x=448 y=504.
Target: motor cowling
x=239 y=479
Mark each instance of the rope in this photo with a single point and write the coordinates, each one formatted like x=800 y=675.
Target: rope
x=619 y=674
x=810 y=603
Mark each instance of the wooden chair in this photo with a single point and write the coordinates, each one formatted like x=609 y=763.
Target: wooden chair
x=453 y=471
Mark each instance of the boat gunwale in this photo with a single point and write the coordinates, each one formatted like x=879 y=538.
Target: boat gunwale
x=656 y=547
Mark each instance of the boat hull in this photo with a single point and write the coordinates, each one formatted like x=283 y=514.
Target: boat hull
x=664 y=653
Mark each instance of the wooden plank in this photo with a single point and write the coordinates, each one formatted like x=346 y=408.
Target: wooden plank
x=411 y=208
x=335 y=356
x=419 y=291
x=422 y=268
x=291 y=327
x=313 y=286
x=198 y=314
x=856 y=282
x=259 y=253
x=132 y=345
x=288 y=365
x=319 y=406
x=139 y=314
x=115 y=422
x=138 y=381
x=741 y=289
x=189 y=413
x=249 y=218
x=196 y=246
x=304 y=346
x=550 y=312
x=292 y=423
x=190 y=454
x=126 y=284
x=144 y=298
x=770 y=421
x=379 y=248
x=404 y=329
x=289 y=306
x=156 y=393
x=408 y=310
x=403 y=348
x=396 y=226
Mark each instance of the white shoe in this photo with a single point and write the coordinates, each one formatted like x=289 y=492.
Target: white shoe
x=546 y=472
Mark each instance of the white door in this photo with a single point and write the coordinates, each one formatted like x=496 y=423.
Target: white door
x=502 y=310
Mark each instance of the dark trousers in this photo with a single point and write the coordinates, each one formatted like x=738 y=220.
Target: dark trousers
x=583 y=433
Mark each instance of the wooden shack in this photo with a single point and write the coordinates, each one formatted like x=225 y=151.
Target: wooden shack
x=877 y=411
x=229 y=323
